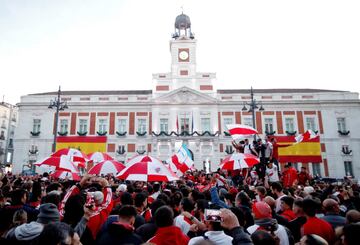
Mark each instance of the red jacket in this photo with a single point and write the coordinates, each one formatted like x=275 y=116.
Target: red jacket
x=319 y=227
x=289 y=177
x=99 y=215
x=289 y=215
x=171 y=235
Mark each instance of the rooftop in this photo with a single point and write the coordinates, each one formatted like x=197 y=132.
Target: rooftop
x=276 y=90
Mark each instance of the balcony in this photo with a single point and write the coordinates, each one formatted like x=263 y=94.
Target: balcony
x=35 y=134
x=186 y=134
x=121 y=134
x=344 y=132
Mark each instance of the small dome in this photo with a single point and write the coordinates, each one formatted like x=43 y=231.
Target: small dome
x=182 y=22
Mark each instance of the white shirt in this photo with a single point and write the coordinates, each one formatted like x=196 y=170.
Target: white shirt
x=217 y=237
x=280 y=233
x=268 y=149
x=272 y=173
x=182 y=224
x=278 y=203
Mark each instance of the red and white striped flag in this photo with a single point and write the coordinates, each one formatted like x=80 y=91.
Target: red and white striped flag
x=308 y=135
x=240 y=131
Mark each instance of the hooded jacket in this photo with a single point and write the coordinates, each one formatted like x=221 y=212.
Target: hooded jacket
x=119 y=233
x=25 y=233
x=170 y=235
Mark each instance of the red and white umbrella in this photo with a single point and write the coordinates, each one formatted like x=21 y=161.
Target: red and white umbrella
x=74 y=154
x=60 y=163
x=97 y=157
x=239 y=161
x=107 y=167
x=147 y=171
x=240 y=131
x=142 y=158
x=65 y=175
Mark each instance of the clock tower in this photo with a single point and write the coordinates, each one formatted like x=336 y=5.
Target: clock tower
x=183 y=49
x=183 y=63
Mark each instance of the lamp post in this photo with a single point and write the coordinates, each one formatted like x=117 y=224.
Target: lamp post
x=58 y=105
x=253 y=105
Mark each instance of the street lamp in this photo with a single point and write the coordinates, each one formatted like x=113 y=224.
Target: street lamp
x=253 y=105
x=59 y=106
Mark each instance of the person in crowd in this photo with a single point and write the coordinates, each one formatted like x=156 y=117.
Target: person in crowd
x=287 y=208
x=58 y=233
x=261 y=237
x=183 y=221
x=315 y=225
x=304 y=177
x=99 y=200
x=264 y=221
x=277 y=190
x=296 y=224
x=167 y=233
x=353 y=216
x=156 y=192
x=289 y=176
x=121 y=231
x=272 y=203
x=351 y=234
x=272 y=173
x=332 y=213
x=242 y=201
x=312 y=239
x=28 y=233
x=141 y=204
x=260 y=193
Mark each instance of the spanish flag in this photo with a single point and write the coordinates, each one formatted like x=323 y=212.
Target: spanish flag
x=86 y=144
x=288 y=150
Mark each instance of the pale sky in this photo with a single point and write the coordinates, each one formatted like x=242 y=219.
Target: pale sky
x=117 y=45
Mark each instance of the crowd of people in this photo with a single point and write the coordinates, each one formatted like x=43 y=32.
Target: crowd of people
x=200 y=208
x=257 y=206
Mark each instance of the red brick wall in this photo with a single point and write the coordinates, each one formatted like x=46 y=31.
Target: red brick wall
x=321 y=128
x=131 y=147
x=227 y=113
x=206 y=87
x=64 y=114
x=122 y=114
x=184 y=72
x=111 y=148
x=323 y=148
x=149 y=148
x=132 y=124
x=279 y=122
x=300 y=122
x=83 y=114
x=92 y=122
x=326 y=167
x=103 y=114
x=289 y=112
x=309 y=112
x=112 y=123
x=221 y=147
x=268 y=113
x=141 y=114
x=258 y=122
x=150 y=122
x=73 y=123
x=238 y=117
x=162 y=88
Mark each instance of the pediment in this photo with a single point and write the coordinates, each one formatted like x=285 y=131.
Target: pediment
x=185 y=95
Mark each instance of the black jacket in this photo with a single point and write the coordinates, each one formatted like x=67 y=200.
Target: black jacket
x=118 y=233
x=239 y=236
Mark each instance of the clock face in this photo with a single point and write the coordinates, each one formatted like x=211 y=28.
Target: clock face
x=183 y=55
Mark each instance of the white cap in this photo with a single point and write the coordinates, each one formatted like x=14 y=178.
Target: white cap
x=309 y=189
x=122 y=188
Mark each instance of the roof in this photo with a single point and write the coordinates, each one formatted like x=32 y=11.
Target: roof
x=99 y=92
x=275 y=90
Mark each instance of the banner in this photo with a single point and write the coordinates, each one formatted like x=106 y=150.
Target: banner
x=304 y=152
x=86 y=144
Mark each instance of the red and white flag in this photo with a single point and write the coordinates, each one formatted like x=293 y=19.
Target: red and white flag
x=181 y=161
x=307 y=136
x=240 y=131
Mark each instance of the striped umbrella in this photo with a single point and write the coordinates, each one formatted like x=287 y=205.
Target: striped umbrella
x=147 y=171
x=97 y=157
x=59 y=174
x=239 y=131
x=107 y=167
x=60 y=163
x=239 y=161
x=74 y=154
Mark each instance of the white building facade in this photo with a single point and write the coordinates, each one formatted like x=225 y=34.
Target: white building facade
x=8 y=122
x=184 y=107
